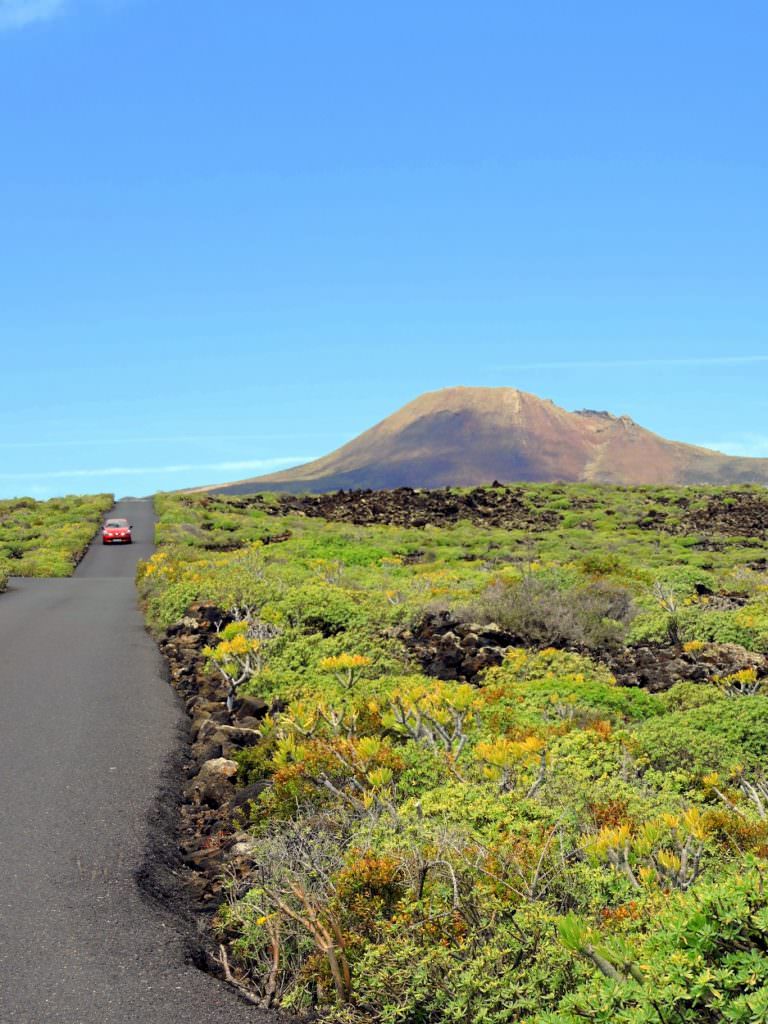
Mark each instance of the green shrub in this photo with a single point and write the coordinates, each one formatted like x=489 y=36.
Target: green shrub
x=316 y=607
x=713 y=737
x=47 y=538
x=684 y=696
x=560 y=683
x=705 y=960
x=539 y=612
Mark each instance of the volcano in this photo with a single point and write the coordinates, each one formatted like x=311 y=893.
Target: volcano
x=467 y=436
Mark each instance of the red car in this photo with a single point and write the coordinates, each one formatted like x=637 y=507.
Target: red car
x=116 y=531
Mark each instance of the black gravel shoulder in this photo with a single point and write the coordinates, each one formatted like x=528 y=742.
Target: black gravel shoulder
x=87 y=728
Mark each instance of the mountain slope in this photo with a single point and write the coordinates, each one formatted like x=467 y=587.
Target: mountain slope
x=465 y=436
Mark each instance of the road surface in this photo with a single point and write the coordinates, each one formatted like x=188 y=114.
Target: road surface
x=87 y=724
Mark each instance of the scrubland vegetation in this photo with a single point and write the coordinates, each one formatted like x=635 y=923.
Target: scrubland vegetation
x=47 y=538
x=529 y=843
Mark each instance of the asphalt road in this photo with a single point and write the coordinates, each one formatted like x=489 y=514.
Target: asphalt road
x=87 y=724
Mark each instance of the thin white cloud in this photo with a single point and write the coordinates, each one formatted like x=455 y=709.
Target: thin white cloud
x=184 y=439
x=213 y=467
x=598 y=364
x=749 y=446
x=18 y=13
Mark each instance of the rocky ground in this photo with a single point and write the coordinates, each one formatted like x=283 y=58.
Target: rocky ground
x=211 y=841
x=739 y=514
x=505 y=507
x=447 y=648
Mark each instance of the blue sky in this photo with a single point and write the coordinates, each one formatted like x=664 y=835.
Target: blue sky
x=234 y=235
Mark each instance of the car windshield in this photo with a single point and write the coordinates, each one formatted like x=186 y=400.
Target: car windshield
x=116 y=524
